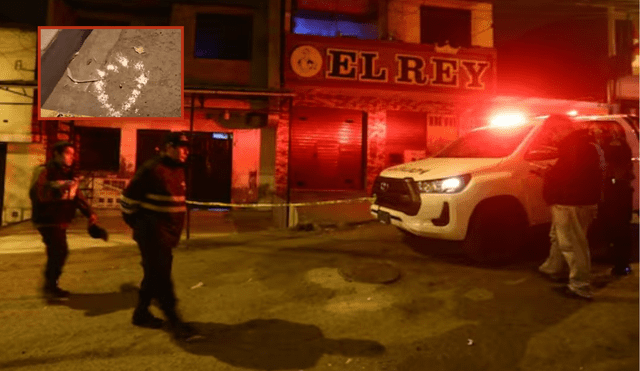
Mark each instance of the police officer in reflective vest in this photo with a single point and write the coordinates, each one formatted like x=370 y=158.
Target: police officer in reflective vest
x=55 y=196
x=153 y=204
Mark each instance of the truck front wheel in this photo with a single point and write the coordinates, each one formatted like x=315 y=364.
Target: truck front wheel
x=496 y=233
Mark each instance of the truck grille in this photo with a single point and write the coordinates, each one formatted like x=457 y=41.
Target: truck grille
x=397 y=194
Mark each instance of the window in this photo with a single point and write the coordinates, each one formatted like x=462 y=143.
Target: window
x=624 y=30
x=224 y=36
x=439 y=25
x=443 y=120
x=99 y=148
x=309 y=22
x=605 y=129
x=486 y=143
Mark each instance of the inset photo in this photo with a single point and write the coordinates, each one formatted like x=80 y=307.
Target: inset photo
x=110 y=72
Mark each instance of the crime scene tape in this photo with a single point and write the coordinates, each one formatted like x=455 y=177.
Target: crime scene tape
x=315 y=203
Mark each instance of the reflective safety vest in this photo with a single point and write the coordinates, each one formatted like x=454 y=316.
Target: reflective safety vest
x=157 y=192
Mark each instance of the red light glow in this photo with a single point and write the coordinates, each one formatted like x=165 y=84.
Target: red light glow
x=507 y=119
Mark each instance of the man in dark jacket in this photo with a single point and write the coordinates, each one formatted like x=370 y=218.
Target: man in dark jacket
x=55 y=197
x=615 y=209
x=153 y=204
x=572 y=187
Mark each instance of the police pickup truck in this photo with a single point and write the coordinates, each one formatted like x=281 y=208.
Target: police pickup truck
x=484 y=188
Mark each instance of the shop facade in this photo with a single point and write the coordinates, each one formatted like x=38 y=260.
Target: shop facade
x=364 y=105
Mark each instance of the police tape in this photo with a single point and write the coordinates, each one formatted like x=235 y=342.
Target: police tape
x=295 y=204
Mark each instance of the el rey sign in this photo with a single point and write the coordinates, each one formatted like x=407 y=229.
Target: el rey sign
x=377 y=64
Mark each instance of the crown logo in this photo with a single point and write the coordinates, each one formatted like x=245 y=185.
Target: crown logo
x=446 y=49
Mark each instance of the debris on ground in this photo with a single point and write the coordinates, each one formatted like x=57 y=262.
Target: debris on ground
x=139 y=49
x=197 y=285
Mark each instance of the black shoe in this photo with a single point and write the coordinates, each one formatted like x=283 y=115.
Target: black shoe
x=621 y=271
x=144 y=318
x=55 y=293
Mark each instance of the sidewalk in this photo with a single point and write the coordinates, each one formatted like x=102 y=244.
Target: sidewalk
x=23 y=237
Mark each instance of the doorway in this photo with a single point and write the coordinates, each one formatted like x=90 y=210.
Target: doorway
x=209 y=164
x=210 y=167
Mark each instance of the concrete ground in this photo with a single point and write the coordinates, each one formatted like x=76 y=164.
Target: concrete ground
x=46 y=37
x=137 y=73
x=22 y=237
x=276 y=299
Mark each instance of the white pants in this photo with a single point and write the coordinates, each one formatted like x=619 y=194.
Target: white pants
x=569 y=244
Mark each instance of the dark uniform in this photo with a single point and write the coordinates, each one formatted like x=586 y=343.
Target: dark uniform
x=153 y=204
x=572 y=186
x=615 y=208
x=55 y=197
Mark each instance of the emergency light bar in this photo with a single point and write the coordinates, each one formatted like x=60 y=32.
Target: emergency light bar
x=504 y=120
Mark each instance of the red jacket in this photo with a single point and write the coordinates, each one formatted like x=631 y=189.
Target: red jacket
x=154 y=202
x=55 y=196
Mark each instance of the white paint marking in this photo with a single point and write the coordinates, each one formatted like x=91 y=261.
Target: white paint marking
x=123 y=60
x=142 y=79
x=131 y=100
x=103 y=98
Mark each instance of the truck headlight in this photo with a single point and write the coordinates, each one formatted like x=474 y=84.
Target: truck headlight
x=452 y=184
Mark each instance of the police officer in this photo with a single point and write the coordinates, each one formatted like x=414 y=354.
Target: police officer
x=615 y=208
x=55 y=197
x=572 y=186
x=153 y=204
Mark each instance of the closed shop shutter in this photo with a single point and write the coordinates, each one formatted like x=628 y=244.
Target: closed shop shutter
x=326 y=149
x=406 y=136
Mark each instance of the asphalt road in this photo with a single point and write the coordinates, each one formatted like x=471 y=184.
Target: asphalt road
x=279 y=300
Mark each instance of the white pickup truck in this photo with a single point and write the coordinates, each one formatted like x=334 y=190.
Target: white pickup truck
x=481 y=189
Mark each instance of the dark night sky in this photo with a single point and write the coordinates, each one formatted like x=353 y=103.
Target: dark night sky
x=24 y=12
x=552 y=49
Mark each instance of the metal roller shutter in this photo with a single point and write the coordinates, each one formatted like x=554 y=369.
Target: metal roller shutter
x=326 y=149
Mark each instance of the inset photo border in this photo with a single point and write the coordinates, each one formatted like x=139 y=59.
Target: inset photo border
x=111 y=72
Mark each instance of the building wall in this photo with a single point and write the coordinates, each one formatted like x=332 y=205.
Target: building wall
x=253 y=72
x=18 y=63
x=282 y=154
x=404 y=19
x=253 y=168
x=376 y=108
x=246 y=148
x=443 y=112
x=22 y=158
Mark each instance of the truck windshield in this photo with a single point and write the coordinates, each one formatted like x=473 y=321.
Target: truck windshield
x=492 y=142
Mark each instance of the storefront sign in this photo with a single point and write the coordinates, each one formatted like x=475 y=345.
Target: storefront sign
x=390 y=65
